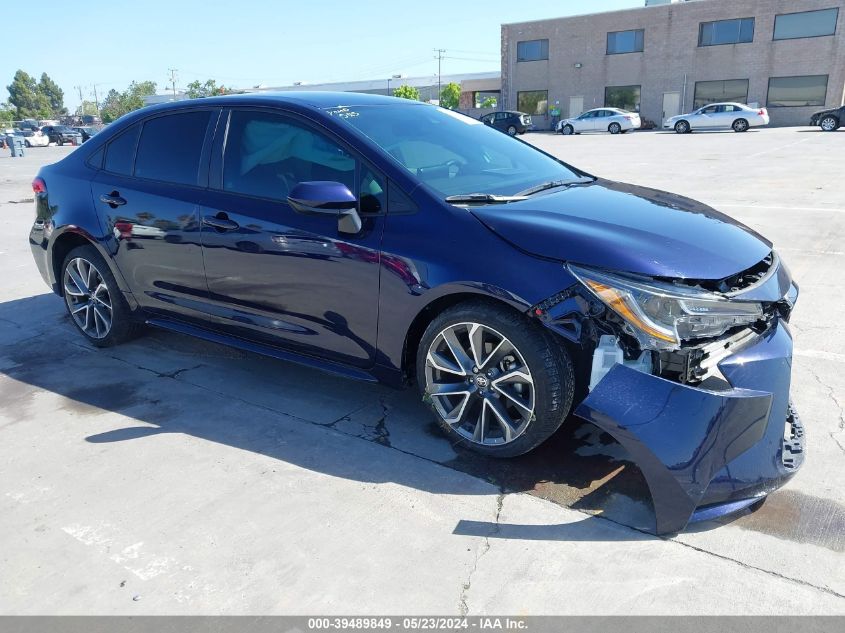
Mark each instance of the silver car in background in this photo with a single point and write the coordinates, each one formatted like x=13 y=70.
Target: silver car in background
x=736 y=116
x=611 y=120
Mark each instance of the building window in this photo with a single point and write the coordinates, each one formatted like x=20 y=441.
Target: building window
x=715 y=91
x=790 y=26
x=622 y=97
x=726 y=32
x=625 y=42
x=532 y=50
x=793 y=92
x=533 y=101
x=486 y=98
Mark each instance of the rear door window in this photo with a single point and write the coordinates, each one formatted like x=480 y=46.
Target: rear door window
x=170 y=147
x=120 y=152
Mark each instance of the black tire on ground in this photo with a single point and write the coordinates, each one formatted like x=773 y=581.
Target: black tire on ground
x=547 y=360
x=740 y=125
x=512 y=130
x=614 y=128
x=829 y=123
x=682 y=127
x=123 y=326
x=59 y=142
x=567 y=129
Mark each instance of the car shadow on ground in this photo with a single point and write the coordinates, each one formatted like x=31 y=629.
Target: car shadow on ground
x=169 y=384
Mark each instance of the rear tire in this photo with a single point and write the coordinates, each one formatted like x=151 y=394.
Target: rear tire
x=682 y=127
x=740 y=125
x=507 y=386
x=829 y=124
x=567 y=130
x=94 y=301
x=614 y=128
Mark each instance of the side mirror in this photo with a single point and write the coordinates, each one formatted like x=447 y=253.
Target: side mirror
x=326 y=197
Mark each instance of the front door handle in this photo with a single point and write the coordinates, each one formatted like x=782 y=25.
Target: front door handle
x=221 y=222
x=113 y=199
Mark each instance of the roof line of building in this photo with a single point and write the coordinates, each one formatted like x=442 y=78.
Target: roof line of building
x=595 y=13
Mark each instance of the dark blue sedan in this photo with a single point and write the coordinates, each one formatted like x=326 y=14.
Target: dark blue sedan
x=389 y=240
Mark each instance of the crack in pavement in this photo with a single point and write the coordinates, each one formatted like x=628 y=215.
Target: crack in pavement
x=485 y=548
x=832 y=395
x=500 y=498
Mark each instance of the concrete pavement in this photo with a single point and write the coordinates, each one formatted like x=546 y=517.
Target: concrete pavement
x=175 y=476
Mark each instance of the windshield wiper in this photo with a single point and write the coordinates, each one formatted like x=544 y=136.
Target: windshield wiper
x=552 y=184
x=483 y=198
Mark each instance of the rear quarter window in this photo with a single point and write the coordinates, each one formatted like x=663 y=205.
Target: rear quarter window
x=170 y=147
x=121 y=152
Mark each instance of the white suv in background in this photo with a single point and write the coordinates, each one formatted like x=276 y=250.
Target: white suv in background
x=736 y=116
x=611 y=120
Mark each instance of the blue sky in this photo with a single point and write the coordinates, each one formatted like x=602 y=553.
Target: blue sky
x=250 y=42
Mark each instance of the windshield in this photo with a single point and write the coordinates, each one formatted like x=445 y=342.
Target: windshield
x=452 y=153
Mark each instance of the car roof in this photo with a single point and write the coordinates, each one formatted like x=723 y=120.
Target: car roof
x=318 y=100
x=735 y=103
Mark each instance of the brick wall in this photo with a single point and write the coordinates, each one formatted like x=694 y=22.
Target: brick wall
x=671 y=60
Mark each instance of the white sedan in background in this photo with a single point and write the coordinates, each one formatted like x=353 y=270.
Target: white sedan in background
x=611 y=120
x=736 y=116
x=34 y=138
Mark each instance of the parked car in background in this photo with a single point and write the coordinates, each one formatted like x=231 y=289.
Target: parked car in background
x=736 y=116
x=828 y=120
x=86 y=132
x=512 y=123
x=386 y=239
x=34 y=138
x=61 y=134
x=611 y=120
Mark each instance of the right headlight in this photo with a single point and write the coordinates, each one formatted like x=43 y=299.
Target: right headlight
x=661 y=315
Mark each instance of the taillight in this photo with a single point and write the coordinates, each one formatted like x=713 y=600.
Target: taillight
x=39 y=186
x=762 y=112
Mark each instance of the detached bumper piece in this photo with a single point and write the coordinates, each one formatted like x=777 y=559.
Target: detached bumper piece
x=706 y=453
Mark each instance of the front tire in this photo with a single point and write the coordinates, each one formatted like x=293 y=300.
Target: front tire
x=740 y=125
x=498 y=384
x=512 y=130
x=682 y=127
x=59 y=142
x=829 y=124
x=614 y=128
x=93 y=299
x=567 y=130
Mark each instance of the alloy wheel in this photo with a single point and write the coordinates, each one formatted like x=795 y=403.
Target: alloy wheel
x=479 y=384
x=87 y=297
x=740 y=125
x=828 y=124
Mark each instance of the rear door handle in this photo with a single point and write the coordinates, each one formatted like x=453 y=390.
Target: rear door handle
x=113 y=199
x=220 y=222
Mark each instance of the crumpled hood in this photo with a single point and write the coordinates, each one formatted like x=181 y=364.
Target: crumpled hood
x=628 y=229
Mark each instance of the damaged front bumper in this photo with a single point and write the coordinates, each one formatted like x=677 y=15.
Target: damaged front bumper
x=706 y=453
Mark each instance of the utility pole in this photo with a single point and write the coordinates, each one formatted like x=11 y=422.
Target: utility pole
x=81 y=102
x=96 y=102
x=440 y=52
x=173 y=80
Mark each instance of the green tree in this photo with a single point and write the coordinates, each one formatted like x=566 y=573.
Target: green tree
x=450 y=96
x=197 y=90
x=116 y=104
x=54 y=95
x=407 y=92
x=489 y=102
x=26 y=99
